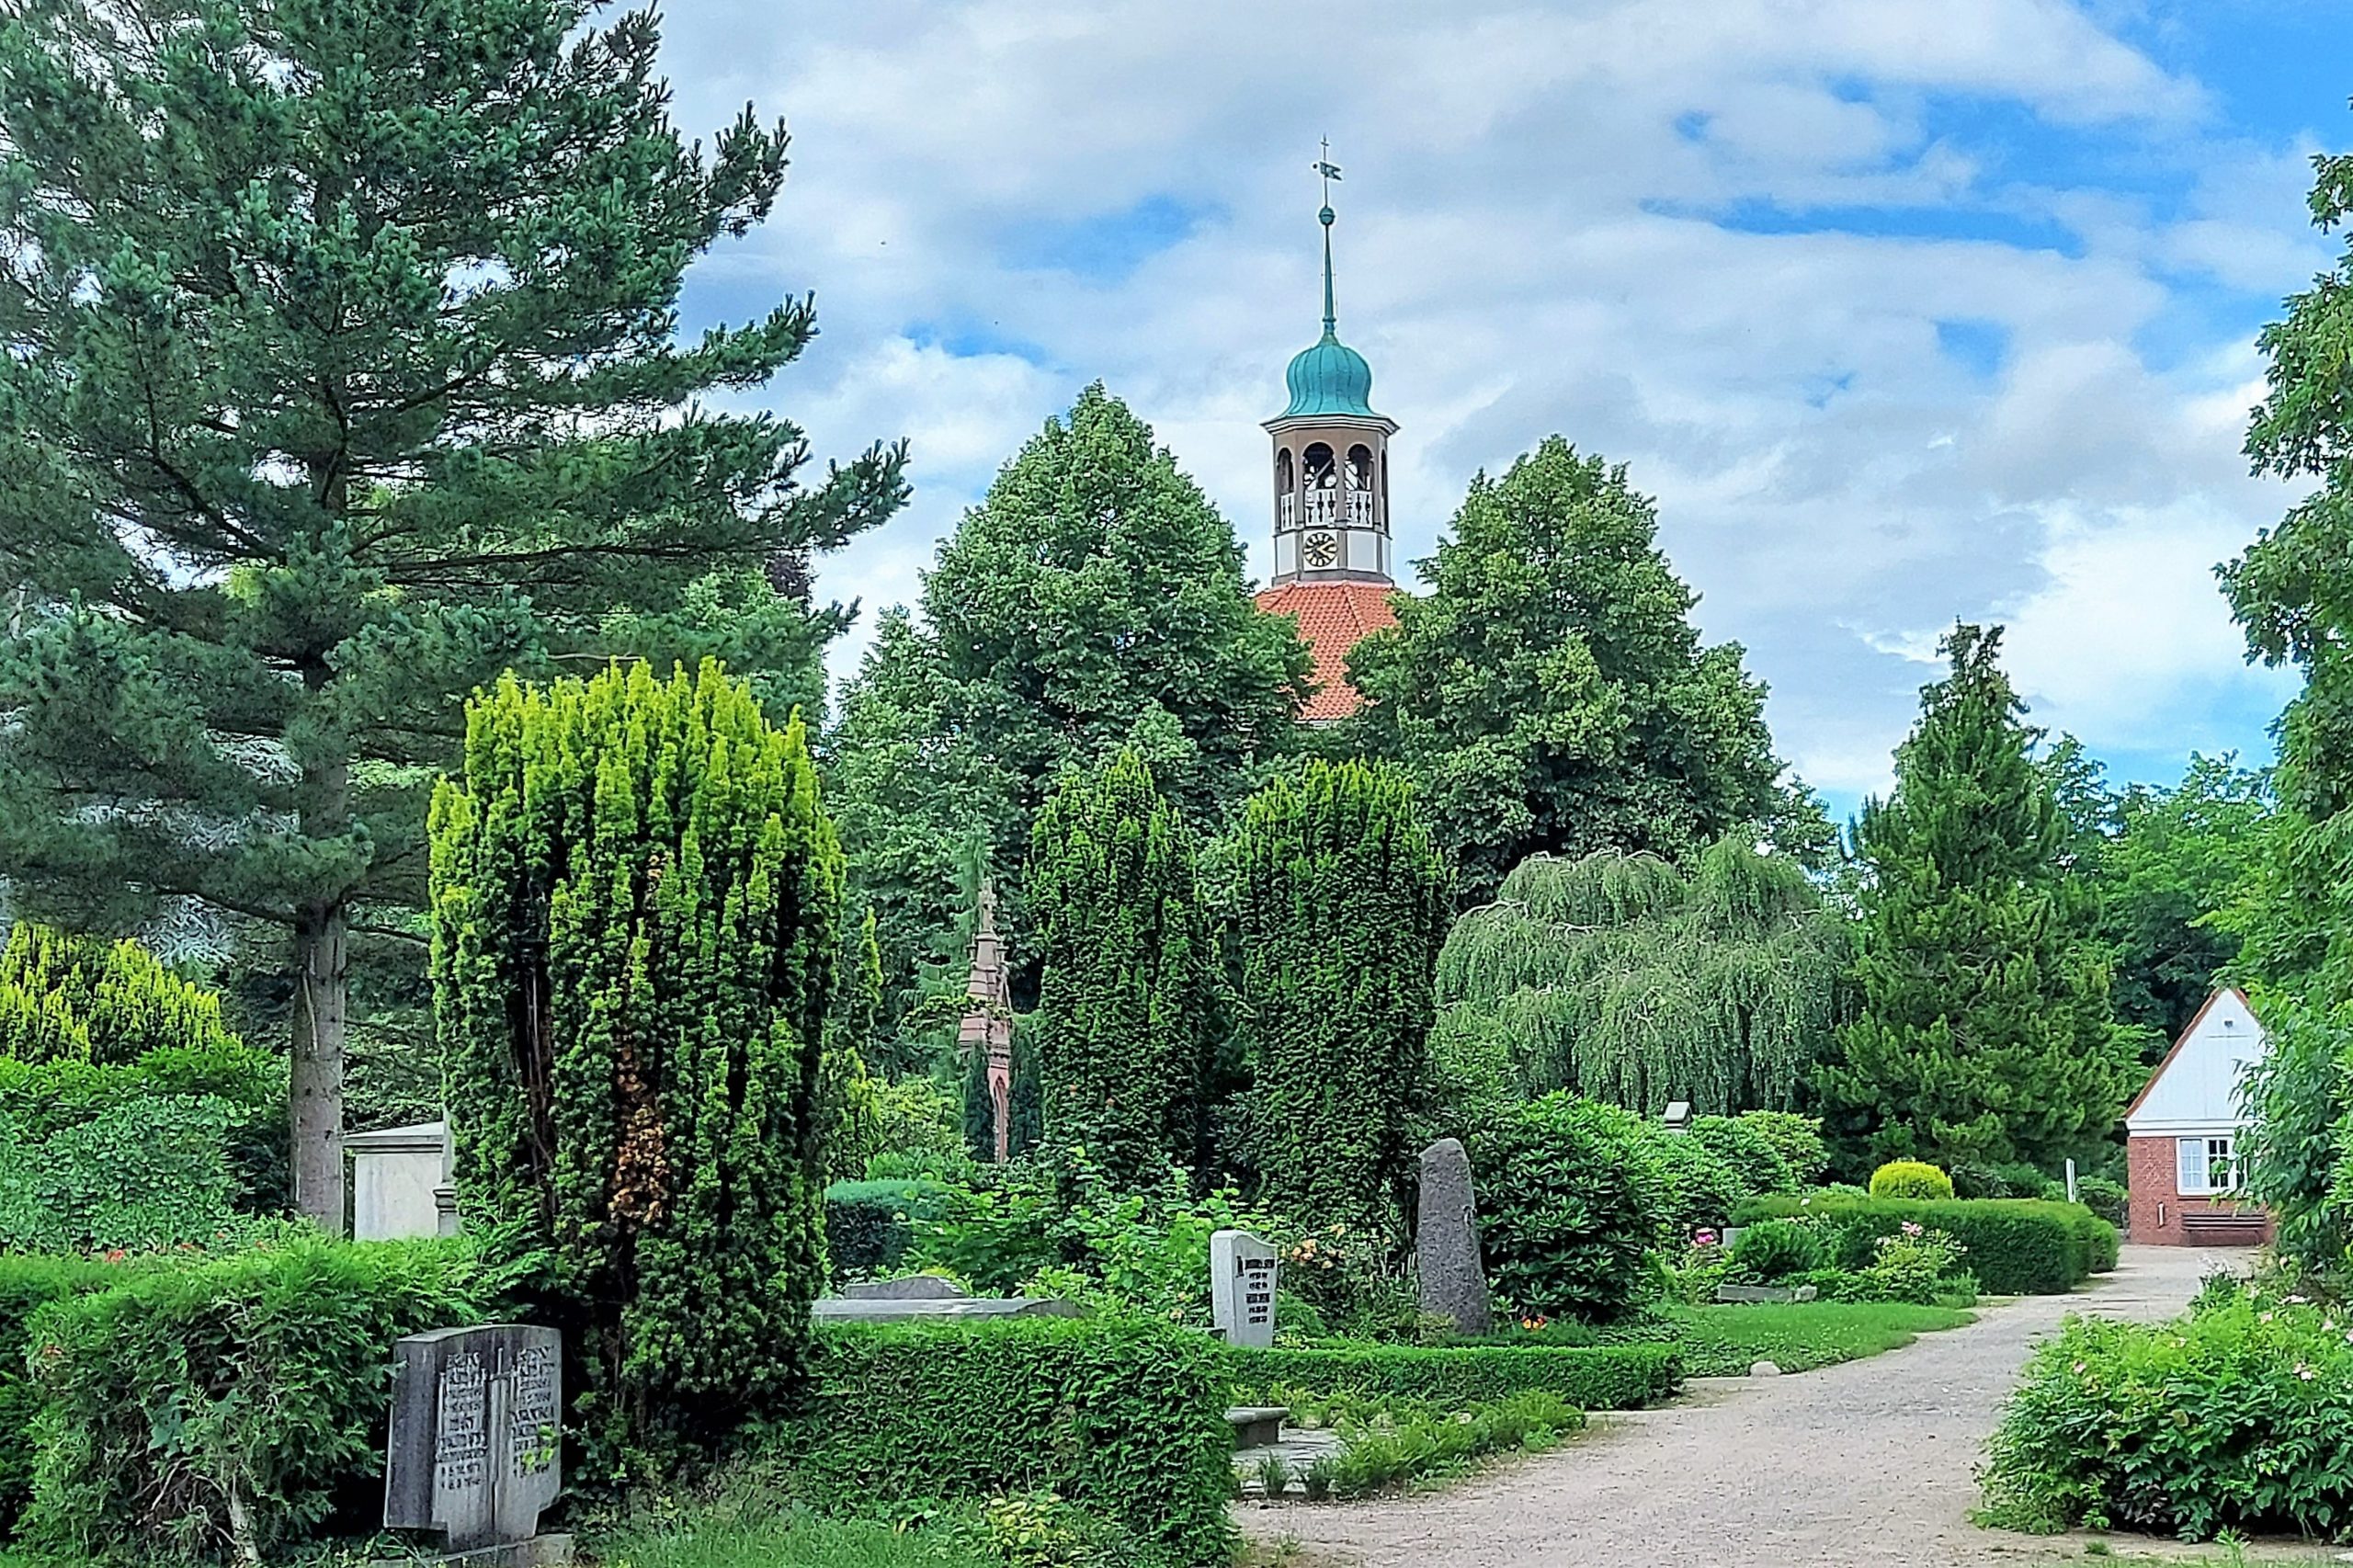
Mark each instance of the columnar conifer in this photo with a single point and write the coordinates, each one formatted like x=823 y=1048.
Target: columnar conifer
x=635 y=893
x=1342 y=905
x=64 y=997
x=1127 y=1004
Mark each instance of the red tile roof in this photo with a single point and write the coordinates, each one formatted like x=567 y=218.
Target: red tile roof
x=1334 y=617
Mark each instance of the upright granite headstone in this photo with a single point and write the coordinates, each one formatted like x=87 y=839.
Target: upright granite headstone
x=475 y=1440
x=1453 y=1275
x=1241 y=1288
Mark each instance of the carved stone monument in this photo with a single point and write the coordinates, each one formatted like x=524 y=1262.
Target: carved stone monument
x=1453 y=1275
x=474 y=1445
x=987 y=1026
x=1241 y=1288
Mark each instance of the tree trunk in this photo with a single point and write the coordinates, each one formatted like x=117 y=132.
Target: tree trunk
x=315 y=1082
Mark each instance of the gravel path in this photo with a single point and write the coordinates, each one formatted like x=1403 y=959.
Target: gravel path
x=1862 y=1465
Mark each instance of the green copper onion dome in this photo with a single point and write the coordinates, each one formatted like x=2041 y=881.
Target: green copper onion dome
x=1330 y=377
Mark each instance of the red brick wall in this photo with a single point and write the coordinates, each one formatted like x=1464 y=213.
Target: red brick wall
x=2152 y=1173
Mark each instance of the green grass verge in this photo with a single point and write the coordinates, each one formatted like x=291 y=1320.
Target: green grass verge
x=1722 y=1340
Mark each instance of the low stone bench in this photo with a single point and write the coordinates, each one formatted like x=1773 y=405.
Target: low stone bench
x=1258 y=1425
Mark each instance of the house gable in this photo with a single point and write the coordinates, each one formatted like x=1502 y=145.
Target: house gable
x=2196 y=1086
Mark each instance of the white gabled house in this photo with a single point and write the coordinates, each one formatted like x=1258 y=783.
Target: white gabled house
x=2183 y=1134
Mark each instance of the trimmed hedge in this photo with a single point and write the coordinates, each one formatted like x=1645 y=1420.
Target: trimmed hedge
x=1599 y=1377
x=2017 y=1246
x=29 y=1282
x=233 y=1407
x=865 y=1223
x=1123 y=1418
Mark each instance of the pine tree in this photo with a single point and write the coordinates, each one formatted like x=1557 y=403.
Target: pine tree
x=1129 y=1008
x=1985 y=1031
x=1342 y=905
x=1549 y=695
x=343 y=374
x=1094 y=599
x=635 y=893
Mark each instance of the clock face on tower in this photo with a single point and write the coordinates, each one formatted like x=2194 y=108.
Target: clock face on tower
x=1318 y=552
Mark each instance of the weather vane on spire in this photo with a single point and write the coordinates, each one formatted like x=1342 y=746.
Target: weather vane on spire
x=1330 y=171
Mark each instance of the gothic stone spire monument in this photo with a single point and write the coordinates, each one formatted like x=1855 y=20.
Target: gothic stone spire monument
x=988 y=1026
x=1331 y=472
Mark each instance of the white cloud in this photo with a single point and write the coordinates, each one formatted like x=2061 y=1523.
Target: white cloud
x=1525 y=245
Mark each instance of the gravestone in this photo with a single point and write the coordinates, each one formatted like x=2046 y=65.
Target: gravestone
x=1241 y=1288
x=905 y=1288
x=397 y=1174
x=476 y=1414
x=1453 y=1277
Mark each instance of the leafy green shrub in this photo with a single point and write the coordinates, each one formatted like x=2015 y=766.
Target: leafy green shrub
x=1415 y=1443
x=1775 y=1249
x=231 y=1407
x=1569 y=1204
x=2233 y=1418
x=1911 y=1178
x=1797 y=1138
x=1698 y=1190
x=635 y=895
x=2016 y=1246
x=1599 y=1377
x=145 y=1174
x=1915 y=1264
x=1122 y=1417
x=868 y=1223
x=1754 y=1158
x=2105 y=1199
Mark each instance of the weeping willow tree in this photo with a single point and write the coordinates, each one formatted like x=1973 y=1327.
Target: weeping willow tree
x=1626 y=978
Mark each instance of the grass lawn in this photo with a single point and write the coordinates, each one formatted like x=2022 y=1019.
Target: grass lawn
x=783 y=1544
x=1723 y=1339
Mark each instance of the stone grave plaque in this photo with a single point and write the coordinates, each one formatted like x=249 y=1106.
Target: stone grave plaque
x=1241 y=1288
x=476 y=1414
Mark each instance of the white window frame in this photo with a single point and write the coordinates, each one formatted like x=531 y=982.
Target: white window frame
x=2194 y=1159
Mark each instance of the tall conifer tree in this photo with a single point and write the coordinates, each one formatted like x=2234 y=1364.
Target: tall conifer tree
x=635 y=898
x=342 y=373
x=1342 y=905
x=1985 y=1031
x=1128 y=1009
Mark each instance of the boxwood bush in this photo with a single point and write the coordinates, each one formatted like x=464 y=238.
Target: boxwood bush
x=230 y=1408
x=1125 y=1418
x=867 y=1223
x=1599 y=1377
x=2234 y=1418
x=2017 y=1246
x=1910 y=1178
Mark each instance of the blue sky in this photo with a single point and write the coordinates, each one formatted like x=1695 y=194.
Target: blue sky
x=1903 y=312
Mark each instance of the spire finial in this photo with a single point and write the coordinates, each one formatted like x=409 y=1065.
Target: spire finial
x=1330 y=171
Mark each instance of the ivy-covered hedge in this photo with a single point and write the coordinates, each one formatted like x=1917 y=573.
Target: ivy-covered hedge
x=1125 y=1418
x=2017 y=1246
x=232 y=1408
x=1599 y=1377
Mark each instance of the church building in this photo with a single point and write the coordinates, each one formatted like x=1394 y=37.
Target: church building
x=1331 y=470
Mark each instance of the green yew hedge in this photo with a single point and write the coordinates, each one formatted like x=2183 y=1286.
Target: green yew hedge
x=1599 y=1377
x=2017 y=1246
x=1124 y=1418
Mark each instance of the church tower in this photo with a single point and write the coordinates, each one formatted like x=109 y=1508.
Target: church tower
x=1331 y=471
